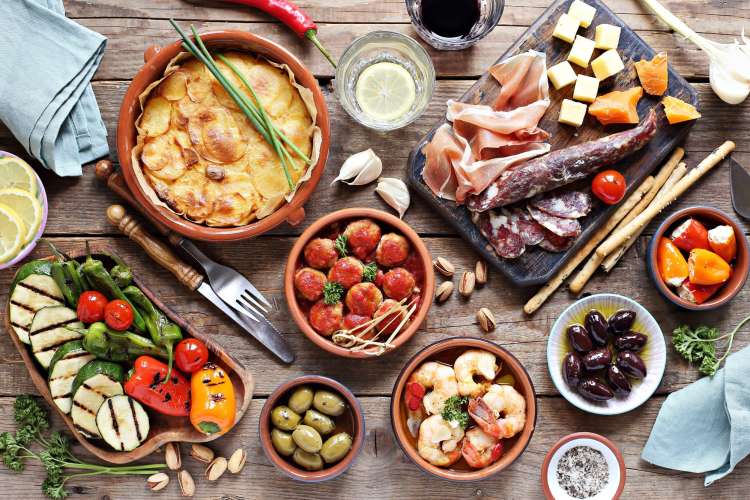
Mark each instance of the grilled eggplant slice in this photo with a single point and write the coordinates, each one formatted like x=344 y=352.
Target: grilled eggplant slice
x=95 y=382
x=122 y=423
x=50 y=329
x=30 y=295
x=65 y=365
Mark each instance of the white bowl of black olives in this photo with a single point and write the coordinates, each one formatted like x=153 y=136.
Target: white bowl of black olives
x=606 y=354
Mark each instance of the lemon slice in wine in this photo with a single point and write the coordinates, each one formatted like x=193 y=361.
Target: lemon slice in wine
x=26 y=206
x=12 y=233
x=16 y=173
x=385 y=91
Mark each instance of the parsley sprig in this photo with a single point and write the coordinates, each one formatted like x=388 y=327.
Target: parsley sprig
x=370 y=272
x=341 y=242
x=332 y=292
x=455 y=410
x=700 y=346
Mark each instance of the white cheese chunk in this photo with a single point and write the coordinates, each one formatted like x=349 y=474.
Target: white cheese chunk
x=572 y=112
x=586 y=88
x=581 y=51
x=561 y=75
x=607 y=64
x=583 y=12
x=566 y=28
x=607 y=36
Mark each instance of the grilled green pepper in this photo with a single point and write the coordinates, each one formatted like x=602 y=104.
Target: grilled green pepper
x=118 y=346
x=65 y=274
x=122 y=275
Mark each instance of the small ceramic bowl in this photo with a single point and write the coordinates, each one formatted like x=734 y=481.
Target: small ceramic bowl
x=353 y=423
x=611 y=491
x=654 y=355
x=710 y=217
x=42 y=197
x=447 y=351
x=295 y=256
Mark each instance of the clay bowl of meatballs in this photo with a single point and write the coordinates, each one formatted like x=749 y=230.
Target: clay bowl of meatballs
x=359 y=283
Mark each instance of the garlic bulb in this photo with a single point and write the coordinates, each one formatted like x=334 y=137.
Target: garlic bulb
x=395 y=193
x=360 y=169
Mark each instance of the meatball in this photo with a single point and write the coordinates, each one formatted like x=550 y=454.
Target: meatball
x=326 y=319
x=320 y=253
x=364 y=299
x=362 y=236
x=398 y=283
x=309 y=283
x=392 y=250
x=347 y=271
x=395 y=315
x=352 y=321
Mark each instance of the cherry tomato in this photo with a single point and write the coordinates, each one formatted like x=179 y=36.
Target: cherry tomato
x=91 y=306
x=609 y=186
x=118 y=315
x=190 y=355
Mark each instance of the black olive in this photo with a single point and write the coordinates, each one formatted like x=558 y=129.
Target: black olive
x=597 y=359
x=618 y=381
x=595 y=390
x=572 y=369
x=621 y=322
x=631 y=341
x=596 y=324
x=579 y=338
x=631 y=364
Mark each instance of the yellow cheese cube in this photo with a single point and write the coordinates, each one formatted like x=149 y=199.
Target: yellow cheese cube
x=607 y=36
x=583 y=12
x=581 y=51
x=566 y=28
x=561 y=75
x=586 y=88
x=572 y=113
x=607 y=64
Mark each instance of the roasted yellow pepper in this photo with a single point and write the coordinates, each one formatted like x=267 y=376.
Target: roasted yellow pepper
x=213 y=404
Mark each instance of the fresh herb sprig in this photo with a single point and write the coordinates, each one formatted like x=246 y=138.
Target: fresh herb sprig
x=455 y=410
x=56 y=456
x=341 y=242
x=700 y=346
x=370 y=272
x=332 y=292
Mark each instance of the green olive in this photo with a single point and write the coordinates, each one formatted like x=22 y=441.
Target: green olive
x=329 y=403
x=319 y=422
x=307 y=438
x=336 y=447
x=301 y=399
x=284 y=418
x=309 y=461
x=283 y=442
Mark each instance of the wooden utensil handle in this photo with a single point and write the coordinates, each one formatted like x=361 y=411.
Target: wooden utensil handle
x=153 y=247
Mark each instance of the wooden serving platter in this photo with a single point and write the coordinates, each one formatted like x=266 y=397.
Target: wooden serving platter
x=537 y=266
x=164 y=429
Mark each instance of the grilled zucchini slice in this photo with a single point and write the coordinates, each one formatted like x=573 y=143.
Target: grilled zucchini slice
x=65 y=365
x=95 y=382
x=50 y=329
x=122 y=423
x=29 y=295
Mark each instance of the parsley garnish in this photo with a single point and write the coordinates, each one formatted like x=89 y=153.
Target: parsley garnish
x=699 y=345
x=341 y=242
x=455 y=411
x=332 y=292
x=370 y=271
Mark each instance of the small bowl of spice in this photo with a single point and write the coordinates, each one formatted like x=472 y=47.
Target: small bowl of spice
x=583 y=465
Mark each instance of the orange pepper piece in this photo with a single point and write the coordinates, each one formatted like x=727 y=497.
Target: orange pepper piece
x=723 y=241
x=213 y=405
x=678 y=111
x=673 y=268
x=653 y=74
x=707 y=268
x=618 y=106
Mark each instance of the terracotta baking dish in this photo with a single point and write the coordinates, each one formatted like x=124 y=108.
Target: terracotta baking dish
x=156 y=62
x=428 y=290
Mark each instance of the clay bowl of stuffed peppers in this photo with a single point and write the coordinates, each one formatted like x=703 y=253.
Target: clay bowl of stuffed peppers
x=127 y=368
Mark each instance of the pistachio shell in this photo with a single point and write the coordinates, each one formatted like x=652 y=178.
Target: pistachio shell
x=360 y=169
x=395 y=193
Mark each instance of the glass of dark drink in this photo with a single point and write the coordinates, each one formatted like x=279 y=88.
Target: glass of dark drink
x=454 y=24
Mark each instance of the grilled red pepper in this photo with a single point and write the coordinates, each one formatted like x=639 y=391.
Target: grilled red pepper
x=689 y=235
x=145 y=385
x=697 y=294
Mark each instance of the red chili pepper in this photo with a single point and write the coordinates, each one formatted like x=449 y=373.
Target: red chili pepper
x=146 y=384
x=689 y=235
x=697 y=294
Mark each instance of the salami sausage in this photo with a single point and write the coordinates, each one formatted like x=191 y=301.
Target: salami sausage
x=555 y=243
x=531 y=232
x=567 y=228
x=497 y=229
x=566 y=204
x=562 y=167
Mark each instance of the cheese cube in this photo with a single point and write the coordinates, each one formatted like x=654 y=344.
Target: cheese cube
x=572 y=113
x=607 y=64
x=586 y=88
x=581 y=51
x=561 y=75
x=566 y=28
x=583 y=12
x=607 y=36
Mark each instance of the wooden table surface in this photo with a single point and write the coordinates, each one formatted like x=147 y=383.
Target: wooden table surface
x=77 y=209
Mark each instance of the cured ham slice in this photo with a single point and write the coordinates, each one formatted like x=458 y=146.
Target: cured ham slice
x=443 y=154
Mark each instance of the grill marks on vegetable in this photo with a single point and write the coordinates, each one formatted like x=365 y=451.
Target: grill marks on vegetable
x=40 y=291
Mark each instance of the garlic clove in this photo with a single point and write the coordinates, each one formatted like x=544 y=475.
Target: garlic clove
x=360 y=169
x=395 y=193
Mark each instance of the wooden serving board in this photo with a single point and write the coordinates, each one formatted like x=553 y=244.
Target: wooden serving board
x=537 y=266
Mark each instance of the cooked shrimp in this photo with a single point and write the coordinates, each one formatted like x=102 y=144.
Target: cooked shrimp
x=480 y=449
x=436 y=376
x=471 y=363
x=501 y=412
x=439 y=441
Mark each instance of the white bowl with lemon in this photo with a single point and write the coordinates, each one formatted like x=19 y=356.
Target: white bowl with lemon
x=23 y=209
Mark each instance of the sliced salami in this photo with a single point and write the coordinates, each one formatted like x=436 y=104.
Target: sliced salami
x=554 y=243
x=564 y=204
x=531 y=231
x=497 y=229
x=567 y=228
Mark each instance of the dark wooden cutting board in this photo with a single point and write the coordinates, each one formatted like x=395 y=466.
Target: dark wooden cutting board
x=537 y=266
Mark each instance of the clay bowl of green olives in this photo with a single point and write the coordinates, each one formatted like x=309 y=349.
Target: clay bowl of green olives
x=312 y=428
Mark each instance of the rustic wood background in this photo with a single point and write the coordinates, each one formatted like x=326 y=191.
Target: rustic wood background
x=77 y=209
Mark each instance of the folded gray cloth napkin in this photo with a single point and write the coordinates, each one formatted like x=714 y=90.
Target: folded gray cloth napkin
x=705 y=427
x=46 y=100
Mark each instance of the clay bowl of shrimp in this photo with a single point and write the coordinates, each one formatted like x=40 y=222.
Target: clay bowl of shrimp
x=463 y=409
x=359 y=283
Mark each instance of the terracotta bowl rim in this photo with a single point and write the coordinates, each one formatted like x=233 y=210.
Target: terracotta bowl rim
x=153 y=69
x=583 y=435
x=264 y=430
x=469 y=342
x=415 y=240
x=742 y=261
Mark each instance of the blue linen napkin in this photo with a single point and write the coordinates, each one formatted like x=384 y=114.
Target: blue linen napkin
x=705 y=427
x=46 y=100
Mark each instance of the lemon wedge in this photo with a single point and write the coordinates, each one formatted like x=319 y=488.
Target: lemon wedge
x=16 y=173
x=385 y=91
x=12 y=232
x=26 y=206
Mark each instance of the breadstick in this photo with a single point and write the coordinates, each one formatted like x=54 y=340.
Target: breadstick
x=547 y=290
x=588 y=270
x=619 y=237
